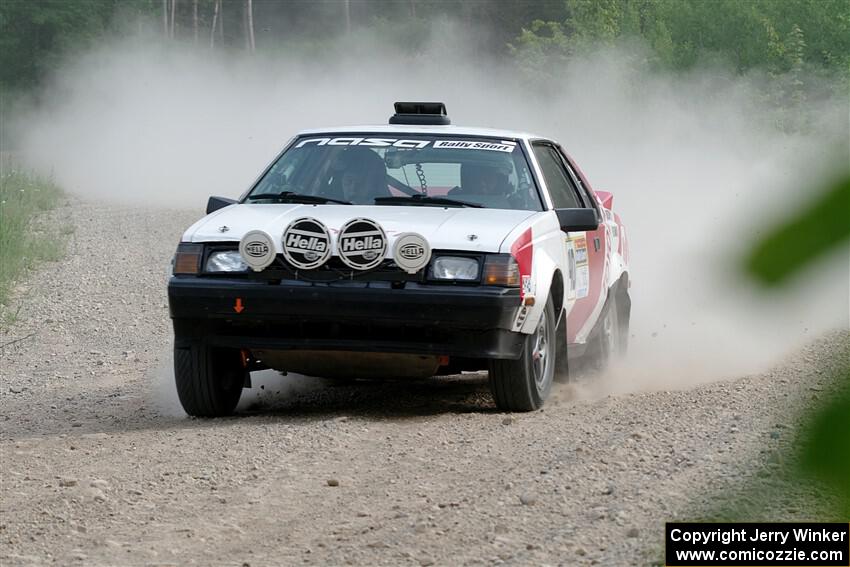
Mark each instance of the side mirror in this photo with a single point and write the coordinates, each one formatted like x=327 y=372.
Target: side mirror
x=216 y=203
x=574 y=220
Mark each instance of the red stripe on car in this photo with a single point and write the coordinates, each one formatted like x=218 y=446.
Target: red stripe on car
x=523 y=252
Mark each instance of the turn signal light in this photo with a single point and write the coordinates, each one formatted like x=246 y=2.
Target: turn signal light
x=502 y=270
x=187 y=259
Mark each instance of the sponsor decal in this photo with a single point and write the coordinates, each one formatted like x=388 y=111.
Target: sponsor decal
x=582 y=281
x=475 y=145
x=361 y=244
x=501 y=146
x=571 y=268
x=527 y=286
x=580 y=266
x=411 y=252
x=257 y=249
x=306 y=243
x=581 y=249
x=368 y=142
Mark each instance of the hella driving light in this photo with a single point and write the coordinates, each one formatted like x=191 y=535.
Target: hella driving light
x=226 y=261
x=454 y=268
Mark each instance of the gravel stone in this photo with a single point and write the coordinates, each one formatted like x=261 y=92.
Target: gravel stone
x=528 y=499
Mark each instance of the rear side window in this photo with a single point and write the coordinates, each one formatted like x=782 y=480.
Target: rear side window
x=560 y=188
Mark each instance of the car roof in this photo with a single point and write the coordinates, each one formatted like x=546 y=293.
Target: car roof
x=413 y=129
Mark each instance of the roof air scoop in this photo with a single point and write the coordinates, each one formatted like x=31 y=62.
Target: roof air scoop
x=420 y=113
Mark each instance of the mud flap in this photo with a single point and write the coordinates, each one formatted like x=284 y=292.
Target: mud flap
x=562 y=364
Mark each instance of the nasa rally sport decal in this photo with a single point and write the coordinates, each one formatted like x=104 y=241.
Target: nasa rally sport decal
x=361 y=244
x=507 y=146
x=411 y=252
x=306 y=243
x=257 y=249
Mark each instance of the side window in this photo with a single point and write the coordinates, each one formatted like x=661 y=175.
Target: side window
x=557 y=180
x=589 y=202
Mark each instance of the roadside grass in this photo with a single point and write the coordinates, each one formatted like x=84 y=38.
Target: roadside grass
x=27 y=235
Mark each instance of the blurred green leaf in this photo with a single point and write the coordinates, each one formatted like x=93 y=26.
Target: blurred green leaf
x=816 y=230
x=826 y=442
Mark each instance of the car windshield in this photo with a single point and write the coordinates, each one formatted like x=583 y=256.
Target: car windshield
x=363 y=169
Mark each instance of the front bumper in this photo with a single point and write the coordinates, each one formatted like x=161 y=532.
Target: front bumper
x=375 y=316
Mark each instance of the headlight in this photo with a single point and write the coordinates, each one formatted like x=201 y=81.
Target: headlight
x=187 y=259
x=226 y=261
x=454 y=268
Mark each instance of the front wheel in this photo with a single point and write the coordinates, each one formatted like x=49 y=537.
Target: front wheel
x=209 y=380
x=524 y=384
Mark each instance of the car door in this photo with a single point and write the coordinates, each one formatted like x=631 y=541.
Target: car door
x=589 y=306
x=585 y=250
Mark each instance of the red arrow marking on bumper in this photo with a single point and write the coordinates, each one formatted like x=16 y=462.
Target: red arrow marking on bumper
x=238 y=307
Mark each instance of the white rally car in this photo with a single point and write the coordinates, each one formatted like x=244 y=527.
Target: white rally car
x=413 y=249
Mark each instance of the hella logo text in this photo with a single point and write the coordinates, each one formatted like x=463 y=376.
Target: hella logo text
x=356 y=244
x=256 y=249
x=313 y=243
x=412 y=251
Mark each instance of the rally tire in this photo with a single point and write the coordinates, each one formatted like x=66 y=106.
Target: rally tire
x=525 y=383
x=607 y=344
x=209 y=380
x=624 y=308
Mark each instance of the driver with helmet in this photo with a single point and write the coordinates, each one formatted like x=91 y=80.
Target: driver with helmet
x=360 y=176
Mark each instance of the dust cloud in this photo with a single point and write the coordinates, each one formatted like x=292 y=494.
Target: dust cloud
x=696 y=162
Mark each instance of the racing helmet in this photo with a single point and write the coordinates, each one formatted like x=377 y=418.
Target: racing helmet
x=359 y=175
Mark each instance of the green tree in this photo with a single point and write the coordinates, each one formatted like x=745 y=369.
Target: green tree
x=791 y=36
x=34 y=35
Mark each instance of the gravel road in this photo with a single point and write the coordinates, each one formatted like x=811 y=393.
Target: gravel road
x=100 y=467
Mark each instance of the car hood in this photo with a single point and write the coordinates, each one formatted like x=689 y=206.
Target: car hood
x=470 y=229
